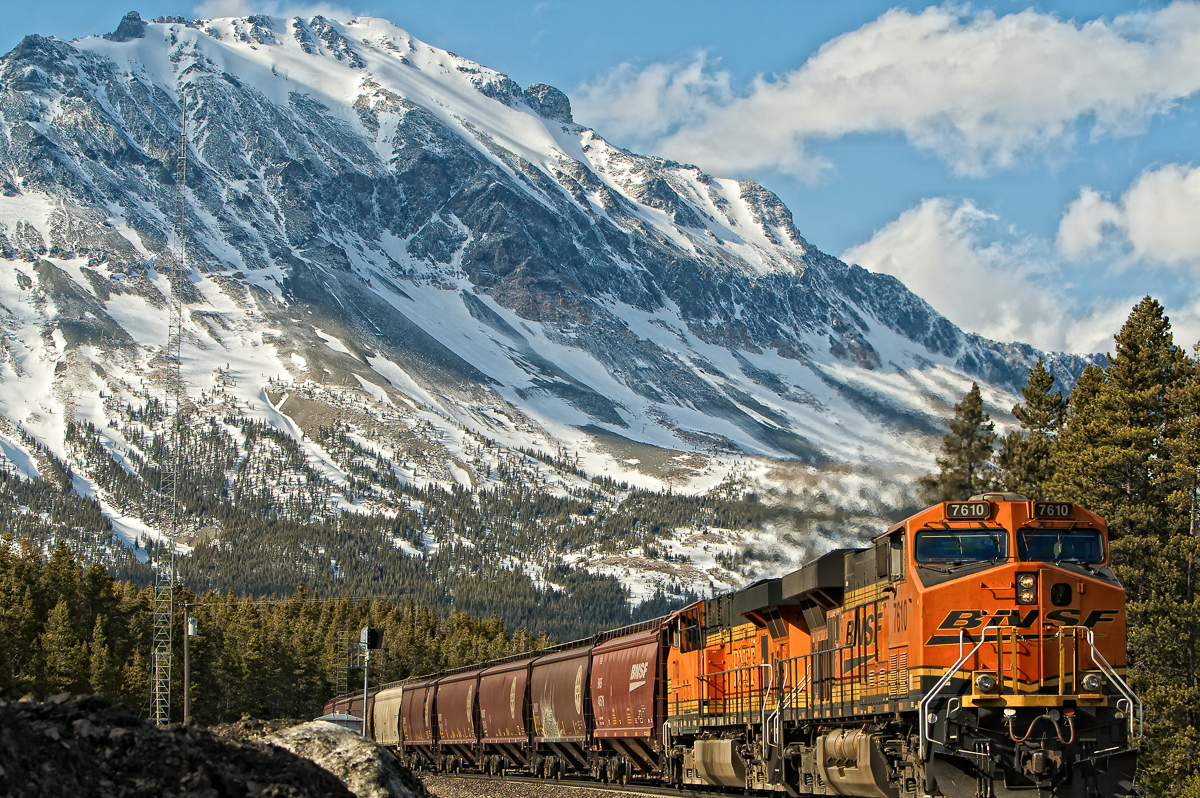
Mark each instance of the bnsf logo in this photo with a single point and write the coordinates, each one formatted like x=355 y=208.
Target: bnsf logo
x=974 y=619
x=638 y=671
x=962 y=620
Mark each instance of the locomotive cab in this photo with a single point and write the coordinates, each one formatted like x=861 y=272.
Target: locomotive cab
x=1018 y=654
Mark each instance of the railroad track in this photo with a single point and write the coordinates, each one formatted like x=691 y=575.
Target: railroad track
x=546 y=788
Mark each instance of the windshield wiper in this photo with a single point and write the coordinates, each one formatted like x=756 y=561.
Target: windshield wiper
x=934 y=568
x=991 y=534
x=956 y=538
x=1058 y=543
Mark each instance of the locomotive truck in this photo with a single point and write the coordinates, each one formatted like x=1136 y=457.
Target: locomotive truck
x=973 y=650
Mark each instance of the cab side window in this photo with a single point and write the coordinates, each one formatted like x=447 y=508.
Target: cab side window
x=896 y=563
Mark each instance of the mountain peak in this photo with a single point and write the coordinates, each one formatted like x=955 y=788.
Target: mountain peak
x=367 y=210
x=130 y=27
x=549 y=102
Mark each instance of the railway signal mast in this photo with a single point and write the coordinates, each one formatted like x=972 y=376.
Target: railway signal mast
x=167 y=516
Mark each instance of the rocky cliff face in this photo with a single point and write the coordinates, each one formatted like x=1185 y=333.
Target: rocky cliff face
x=381 y=230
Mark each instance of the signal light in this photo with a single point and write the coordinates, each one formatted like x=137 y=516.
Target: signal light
x=1026 y=588
x=1092 y=683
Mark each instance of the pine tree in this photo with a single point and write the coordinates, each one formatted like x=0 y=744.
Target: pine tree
x=105 y=671
x=1073 y=453
x=63 y=654
x=1024 y=458
x=1120 y=455
x=965 y=463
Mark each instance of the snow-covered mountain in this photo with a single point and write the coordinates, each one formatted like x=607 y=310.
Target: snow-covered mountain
x=382 y=234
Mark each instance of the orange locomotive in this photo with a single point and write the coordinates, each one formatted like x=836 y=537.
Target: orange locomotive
x=977 y=649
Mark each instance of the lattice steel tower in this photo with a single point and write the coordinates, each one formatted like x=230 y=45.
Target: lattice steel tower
x=167 y=512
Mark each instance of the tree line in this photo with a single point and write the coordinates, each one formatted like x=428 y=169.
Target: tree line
x=1124 y=443
x=67 y=628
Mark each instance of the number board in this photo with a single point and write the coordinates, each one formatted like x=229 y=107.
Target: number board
x=1053 y=510
x=969 y=510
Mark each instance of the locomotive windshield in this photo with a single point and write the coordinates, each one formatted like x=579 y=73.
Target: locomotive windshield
x=961 y=545
x=1060 y=545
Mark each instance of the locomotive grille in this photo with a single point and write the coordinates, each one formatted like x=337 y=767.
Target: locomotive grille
x=898 y=673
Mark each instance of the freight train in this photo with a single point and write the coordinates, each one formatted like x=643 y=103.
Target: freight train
x=974 y=650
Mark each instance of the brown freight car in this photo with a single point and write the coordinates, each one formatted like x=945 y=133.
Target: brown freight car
x=505 y=726
x=457 y=714
x=629 y=694
x=353 y=705
x=561 y=704
x=417 y=721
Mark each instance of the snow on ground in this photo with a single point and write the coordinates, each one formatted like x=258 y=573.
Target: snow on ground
x=14 y=455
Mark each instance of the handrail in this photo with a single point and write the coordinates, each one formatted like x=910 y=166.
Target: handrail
x=783 y=674
x=923 y=707
x=762 y=712
x=764 y=688
x=1137 y=709
x=776 y=718
x=1125 y=690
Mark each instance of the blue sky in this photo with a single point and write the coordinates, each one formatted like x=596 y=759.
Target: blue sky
x=1031 y=170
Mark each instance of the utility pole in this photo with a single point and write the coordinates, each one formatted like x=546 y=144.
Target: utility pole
x=366 y=653
x=167 y=517
x=189 y=631
x=368 y=639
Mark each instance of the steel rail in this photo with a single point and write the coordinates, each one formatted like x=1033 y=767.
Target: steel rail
x=580 y=784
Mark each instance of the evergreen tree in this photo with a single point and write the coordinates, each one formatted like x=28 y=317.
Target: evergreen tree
x=1125 y=454
x=1073 y=453
x=62 y=652
x=1024 y=458
x=105 y=672
x=965 y=462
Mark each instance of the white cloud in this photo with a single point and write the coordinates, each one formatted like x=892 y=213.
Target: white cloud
x=213 y=9
x=998 y=285
x=1162 y=215
x=1083 y=226
x=1157 y=219
x=979 y=90
x=657 y=99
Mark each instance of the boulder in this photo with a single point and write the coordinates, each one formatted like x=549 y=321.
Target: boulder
x=367 y=769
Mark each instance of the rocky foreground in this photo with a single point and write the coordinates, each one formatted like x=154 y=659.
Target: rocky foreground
x=87 y=747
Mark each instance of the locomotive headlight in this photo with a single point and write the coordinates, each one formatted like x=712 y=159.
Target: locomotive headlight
x=1026 y=588
x=1091 y=683
x=985 y=682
